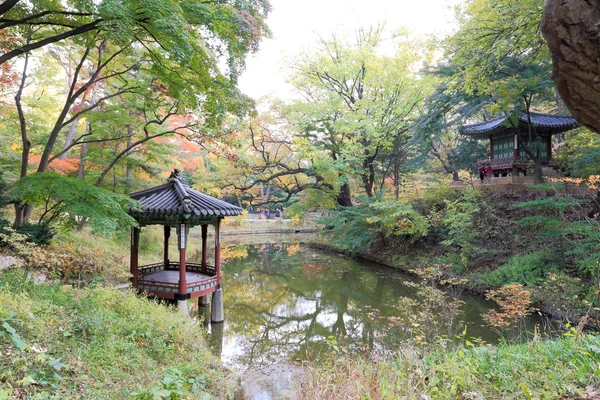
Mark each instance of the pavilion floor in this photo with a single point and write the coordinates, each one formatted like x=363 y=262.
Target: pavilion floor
x=172 y=276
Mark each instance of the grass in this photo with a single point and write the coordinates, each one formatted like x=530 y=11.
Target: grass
x=536 y=370
x=57 y=343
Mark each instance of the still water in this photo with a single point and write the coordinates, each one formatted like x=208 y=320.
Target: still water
x=288 y=302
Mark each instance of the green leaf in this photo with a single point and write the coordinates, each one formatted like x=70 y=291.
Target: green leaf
x=8 y=328
x=16 y=339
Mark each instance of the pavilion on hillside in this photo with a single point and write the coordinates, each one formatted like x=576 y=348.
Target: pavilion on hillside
x=176 y=205
x=506 y=155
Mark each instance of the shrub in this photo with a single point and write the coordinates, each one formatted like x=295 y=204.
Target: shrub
x=355 y=228
x=529 y=269
x=437 y=198
x=459 y=223
x=561 y=292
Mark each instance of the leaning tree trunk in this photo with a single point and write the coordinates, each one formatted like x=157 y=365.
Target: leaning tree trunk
x=572 y=30
x=23 y=210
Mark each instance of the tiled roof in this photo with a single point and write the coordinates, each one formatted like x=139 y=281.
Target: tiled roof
x=177 y=198
x=548 y=123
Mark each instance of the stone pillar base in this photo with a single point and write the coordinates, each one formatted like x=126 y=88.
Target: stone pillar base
x=203 y=301
x=217 y=314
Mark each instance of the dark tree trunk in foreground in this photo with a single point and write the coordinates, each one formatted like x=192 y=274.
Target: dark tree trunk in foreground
x=344 y=198
x=572 y=30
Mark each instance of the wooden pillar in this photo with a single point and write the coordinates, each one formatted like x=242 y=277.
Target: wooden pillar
x=204 y=247
x=218 y=252
x=491 y=148
x=549 y=149
x=167 y=230
x=516 y=146
x=134 y=252
x=182 y=246
x=216 y=311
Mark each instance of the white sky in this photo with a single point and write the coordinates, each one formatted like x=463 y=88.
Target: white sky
x=296 y=24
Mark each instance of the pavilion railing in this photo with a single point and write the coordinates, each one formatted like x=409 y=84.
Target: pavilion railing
x=509 y=162
x=174 y=266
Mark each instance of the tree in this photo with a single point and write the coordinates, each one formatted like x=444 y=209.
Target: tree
x=225 y=27
x=571 y=31
x=162 y=58
x=62 y=198
x=444 y=110
x=352 y=125
x=269 y=165
x=358 y=104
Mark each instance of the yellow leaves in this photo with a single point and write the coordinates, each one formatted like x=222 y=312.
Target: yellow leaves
x=514 y=302
x=292 y=249
x=592 y=182
x=234 y=252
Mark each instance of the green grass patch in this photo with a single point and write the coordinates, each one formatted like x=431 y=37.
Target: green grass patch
x=58 y=343
x=537 y=370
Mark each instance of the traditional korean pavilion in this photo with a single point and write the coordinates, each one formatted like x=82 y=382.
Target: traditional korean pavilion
x=506 y=156
x=176 y=205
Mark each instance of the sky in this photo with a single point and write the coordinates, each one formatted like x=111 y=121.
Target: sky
x=295 y=25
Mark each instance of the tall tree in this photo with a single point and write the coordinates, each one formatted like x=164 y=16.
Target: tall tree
x=358 y=103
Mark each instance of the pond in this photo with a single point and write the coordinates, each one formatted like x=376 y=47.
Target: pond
x=285 y=301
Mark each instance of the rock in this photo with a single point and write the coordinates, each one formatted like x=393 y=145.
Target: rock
x=10 y=262
x=275 y=381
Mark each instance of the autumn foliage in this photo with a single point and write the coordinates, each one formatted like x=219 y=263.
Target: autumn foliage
x=514 y=302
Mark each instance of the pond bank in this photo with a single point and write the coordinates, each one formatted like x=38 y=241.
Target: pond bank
x=474 y=286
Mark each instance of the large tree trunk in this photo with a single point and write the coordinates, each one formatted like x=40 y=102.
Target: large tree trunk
x=572 y=30
x=368 y=177
x=344 y=199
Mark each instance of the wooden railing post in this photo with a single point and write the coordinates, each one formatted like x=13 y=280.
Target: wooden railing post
x=167 y=231
x=134 y=252
x=204 y=247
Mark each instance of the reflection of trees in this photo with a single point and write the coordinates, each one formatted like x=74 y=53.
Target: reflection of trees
x=276 y=311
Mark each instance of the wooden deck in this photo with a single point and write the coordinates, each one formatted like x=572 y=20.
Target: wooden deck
x=172 y=276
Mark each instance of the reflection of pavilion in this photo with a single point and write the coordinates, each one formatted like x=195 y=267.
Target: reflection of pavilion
x=508 y=157
x=175 y=204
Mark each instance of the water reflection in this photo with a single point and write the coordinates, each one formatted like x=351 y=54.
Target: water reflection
x=286 y=302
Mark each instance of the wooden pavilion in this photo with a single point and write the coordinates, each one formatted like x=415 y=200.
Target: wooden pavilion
x=506 y=155
x=176 y=205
